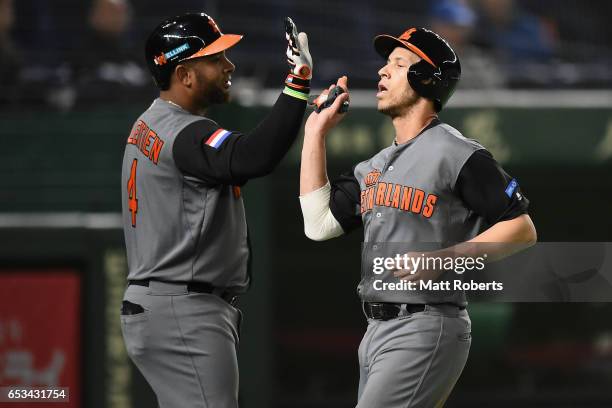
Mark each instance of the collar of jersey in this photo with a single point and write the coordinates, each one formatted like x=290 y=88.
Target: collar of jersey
x=435 y=122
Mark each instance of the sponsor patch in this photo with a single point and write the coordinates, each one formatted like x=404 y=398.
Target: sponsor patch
x=164 y=57
x=511 y=187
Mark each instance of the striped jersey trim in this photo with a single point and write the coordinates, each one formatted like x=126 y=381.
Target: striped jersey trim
x=217 y=138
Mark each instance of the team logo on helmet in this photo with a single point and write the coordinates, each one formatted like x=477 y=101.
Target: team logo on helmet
x=160 y=59
x=407 y=34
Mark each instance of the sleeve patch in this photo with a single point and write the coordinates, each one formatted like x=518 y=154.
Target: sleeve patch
x=511 y=187
x=216 y=139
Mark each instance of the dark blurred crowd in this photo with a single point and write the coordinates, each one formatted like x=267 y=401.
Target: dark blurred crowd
x=68 y=54
x=529 y=44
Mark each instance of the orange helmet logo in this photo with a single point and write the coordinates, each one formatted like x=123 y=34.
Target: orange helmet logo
x=160 y=59
x=406 y=35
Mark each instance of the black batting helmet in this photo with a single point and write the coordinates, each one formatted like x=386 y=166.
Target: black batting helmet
x=436 y=75
x=191 y=35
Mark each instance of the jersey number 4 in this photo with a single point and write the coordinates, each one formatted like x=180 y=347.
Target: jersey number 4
x=131 y=188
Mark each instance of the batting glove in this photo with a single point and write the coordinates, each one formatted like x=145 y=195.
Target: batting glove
x=298 y=55
x=297 y=83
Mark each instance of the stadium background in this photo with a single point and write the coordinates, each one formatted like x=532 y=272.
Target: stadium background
x=537 y=93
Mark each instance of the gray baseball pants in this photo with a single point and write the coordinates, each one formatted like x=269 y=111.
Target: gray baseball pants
x=413 y=361
x=184 y=344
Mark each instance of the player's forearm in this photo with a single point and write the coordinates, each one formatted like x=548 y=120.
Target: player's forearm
x=315 y=191
x=319 y=222
x=516 y=230
x=500 y=240
x=313 y=171
x=313 y=168
x=259 y=152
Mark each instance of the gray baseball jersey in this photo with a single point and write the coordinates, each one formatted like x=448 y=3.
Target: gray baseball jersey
x=407 y=199
x=184 y=222
x=178 y=228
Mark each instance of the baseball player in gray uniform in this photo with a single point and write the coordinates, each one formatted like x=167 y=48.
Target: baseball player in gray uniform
x=183 y=214
x=432 y=185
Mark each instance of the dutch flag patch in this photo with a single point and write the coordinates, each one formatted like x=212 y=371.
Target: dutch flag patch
x=217 y=138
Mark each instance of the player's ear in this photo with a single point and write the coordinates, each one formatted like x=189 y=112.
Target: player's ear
x=183 y=75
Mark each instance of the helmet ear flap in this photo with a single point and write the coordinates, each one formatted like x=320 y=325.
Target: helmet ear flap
x=421 y=77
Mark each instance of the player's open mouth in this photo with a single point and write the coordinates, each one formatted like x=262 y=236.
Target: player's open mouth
x=227 y=83
x=381 y=90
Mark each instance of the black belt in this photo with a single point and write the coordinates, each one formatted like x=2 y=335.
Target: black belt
x=388 y=311
x=197 y=287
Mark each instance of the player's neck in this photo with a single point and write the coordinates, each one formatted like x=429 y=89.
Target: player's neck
x=181 y=101
x=409 y=125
